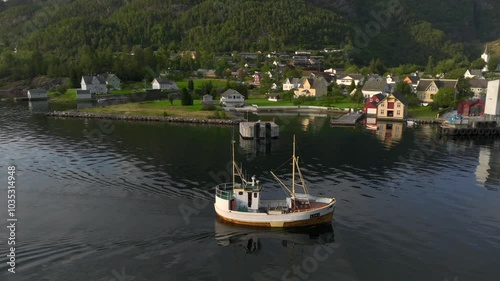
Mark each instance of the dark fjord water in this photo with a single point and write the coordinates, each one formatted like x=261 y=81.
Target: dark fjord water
x=103 y=201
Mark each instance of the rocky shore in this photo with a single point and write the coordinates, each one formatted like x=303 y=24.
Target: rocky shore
x=124 y=117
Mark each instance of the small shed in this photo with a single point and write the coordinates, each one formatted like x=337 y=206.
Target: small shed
x=274 y=97
x=37 y=94
x=83 y=94
x=207 y=100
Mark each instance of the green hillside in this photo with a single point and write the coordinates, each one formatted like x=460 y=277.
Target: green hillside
x=68 y=38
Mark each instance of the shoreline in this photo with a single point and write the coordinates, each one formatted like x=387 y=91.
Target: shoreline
x=125 y=117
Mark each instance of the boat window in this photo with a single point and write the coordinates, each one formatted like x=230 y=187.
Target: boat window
x=240 y=193
x=255 y=195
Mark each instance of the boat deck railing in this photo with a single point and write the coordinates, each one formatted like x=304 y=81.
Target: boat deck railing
x=224 y=191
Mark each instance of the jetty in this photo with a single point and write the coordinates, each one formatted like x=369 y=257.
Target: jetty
x=259 y=130
x=124 y=117
x=350 y=119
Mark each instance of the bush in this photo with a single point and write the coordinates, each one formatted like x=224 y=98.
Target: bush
x=209 y=107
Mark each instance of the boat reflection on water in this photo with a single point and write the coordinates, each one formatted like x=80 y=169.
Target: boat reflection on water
x=250 y=238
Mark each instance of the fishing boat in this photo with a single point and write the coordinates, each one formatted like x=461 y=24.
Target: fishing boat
x=240 y=201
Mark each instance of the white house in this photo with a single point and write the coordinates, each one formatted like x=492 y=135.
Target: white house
x=112 y=81
x=291 y=84
x=231 y=98
x=479 y=87
x=164 y=84
x=83 y=94
x=347 y=80
x=392 y=80
x=95 y=84
x=492 y=103
x=474 y=73
x=37 y=94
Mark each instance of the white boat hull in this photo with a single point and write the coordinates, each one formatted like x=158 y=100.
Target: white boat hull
x=313 y=216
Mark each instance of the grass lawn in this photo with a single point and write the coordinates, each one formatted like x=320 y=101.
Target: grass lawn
x=198 y=83
x=69 y=96
x=157 y=108
x=422 y=112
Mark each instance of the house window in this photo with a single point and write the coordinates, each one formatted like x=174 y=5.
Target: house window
x=383 y=104
x=399 y=104
x=382 y=111
x=398 y=112
x=255 y=195
x=240 y=193
x=433 y=89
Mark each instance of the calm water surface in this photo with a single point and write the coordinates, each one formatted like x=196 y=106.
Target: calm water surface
x=99 y=200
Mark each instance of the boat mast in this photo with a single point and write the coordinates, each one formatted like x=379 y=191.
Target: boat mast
x=293 y=169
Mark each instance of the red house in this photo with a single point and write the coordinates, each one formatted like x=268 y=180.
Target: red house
x=372 y=104
x=472 y=107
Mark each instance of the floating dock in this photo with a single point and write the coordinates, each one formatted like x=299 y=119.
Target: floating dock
x=259 y=130
x=478 y=128
x=349 y=119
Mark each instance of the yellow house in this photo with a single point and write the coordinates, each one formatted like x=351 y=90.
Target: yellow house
x=312 y=87
x=427 y=88
x=394 y=105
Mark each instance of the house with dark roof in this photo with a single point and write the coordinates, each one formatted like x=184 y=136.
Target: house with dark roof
x=312 y=87
x=112 y=81
x=94 y=84
x=371 y=105
x=474 y=73
x=479 y=87
x=373 y=87
x=37 y=94
x=394 y=105
x=427 y=88
x=413 y=81
x=161 y=83
x=83 y=94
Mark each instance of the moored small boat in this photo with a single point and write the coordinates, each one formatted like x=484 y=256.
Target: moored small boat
x=241 y=202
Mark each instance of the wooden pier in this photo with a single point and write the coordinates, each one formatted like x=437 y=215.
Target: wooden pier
x=350 y=119
x=259 y=130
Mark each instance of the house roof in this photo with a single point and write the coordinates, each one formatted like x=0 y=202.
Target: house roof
x=399 y=97
x=414 y=79
x=229 y=92
x=353 y=76
x=424 y=83
x=88 y=79
x=379 y=96
x=162 y=80
x=478 y=83
x=375 y=85
x=107 y=76
x=37 y=91
x=372 y=77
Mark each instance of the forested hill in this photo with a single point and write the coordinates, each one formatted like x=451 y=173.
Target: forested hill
x=58 y=30
x=213 y=25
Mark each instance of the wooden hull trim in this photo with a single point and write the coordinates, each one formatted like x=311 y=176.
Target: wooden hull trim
x=326 y=218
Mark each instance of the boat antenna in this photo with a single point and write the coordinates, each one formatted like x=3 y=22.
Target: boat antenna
x=234 y=176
